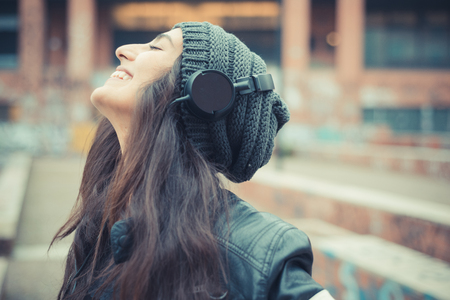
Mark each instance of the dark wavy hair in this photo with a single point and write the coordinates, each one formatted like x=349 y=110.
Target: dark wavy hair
x=173 y=195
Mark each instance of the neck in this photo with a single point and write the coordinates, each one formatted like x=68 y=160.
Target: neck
x=122 y=138
x=121 y=129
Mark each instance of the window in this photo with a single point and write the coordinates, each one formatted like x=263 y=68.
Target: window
x=9 y=26
x=410 y=120
x=322 y=41
x=407 y=34
x=4 y=112
x=441 y=120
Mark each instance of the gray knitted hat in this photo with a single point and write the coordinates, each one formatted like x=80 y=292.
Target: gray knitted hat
x=243 y=141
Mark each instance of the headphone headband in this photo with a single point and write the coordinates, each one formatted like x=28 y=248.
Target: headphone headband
x=256 y=83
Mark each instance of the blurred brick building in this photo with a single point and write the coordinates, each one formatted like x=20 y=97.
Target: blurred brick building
x=373 y=72
x=365 y=77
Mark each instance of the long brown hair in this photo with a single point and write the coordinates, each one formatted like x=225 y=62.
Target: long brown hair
x=170 y=191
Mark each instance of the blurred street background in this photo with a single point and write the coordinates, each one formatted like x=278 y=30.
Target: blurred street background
x=363 y=167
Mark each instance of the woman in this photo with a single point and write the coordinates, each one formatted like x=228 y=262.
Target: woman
x=152 y=220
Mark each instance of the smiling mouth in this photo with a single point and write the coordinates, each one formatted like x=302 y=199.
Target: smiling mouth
x=121 y=75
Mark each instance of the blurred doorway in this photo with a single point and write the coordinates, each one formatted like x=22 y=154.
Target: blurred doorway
x=324 y=38
x=256 y=23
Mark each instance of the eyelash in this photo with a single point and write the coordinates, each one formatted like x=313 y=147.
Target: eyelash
x=154 y=48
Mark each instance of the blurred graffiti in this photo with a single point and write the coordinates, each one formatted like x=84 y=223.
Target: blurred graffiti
x=370 y=268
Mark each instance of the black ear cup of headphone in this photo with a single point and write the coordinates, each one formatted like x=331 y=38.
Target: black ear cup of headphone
x=211 y=95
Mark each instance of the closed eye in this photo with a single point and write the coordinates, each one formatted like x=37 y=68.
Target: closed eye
x=154 y=48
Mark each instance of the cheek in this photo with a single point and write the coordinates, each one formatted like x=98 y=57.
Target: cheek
x=152 y=69
x=145 y=77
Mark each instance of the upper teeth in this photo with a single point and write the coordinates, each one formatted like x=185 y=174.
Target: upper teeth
x=121 y=75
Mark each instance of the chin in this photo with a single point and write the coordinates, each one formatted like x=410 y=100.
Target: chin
x=110 y=102
x=97 y=98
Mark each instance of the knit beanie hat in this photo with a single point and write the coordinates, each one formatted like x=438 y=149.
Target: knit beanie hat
x=242 y=142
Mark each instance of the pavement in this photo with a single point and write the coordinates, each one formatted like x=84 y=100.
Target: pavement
x=33 y=273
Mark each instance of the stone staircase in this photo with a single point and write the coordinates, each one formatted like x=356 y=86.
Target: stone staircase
x=368 y=243
x=374 y=235
x=36 y=196
x=13 y=181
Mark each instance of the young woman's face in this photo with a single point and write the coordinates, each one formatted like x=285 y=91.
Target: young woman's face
x=140 y=64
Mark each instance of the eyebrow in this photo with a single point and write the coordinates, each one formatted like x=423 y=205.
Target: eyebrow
x=163 y=35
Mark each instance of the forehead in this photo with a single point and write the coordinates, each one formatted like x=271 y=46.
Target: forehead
x=174 y=36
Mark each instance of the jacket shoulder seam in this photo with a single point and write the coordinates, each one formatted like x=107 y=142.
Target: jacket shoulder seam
x=244 y=255
x=275 y=242
x=262 y=232
x=271 y=253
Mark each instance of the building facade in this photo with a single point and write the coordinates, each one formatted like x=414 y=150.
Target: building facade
x=366 y=72
x=364 y=77
x=369 y=71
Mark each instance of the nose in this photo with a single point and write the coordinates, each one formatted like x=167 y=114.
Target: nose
x=129 y=52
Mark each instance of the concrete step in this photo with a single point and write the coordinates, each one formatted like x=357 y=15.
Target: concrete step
x=406 y=159
x=408 y=185
x=3 y=269
x=353 y=266
x=34 y=273
x=414 y=223
x=13 y=183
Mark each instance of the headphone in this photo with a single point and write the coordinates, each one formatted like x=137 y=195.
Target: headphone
x=210 y=94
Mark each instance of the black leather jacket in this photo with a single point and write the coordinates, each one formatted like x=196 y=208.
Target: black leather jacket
x=267 y=257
